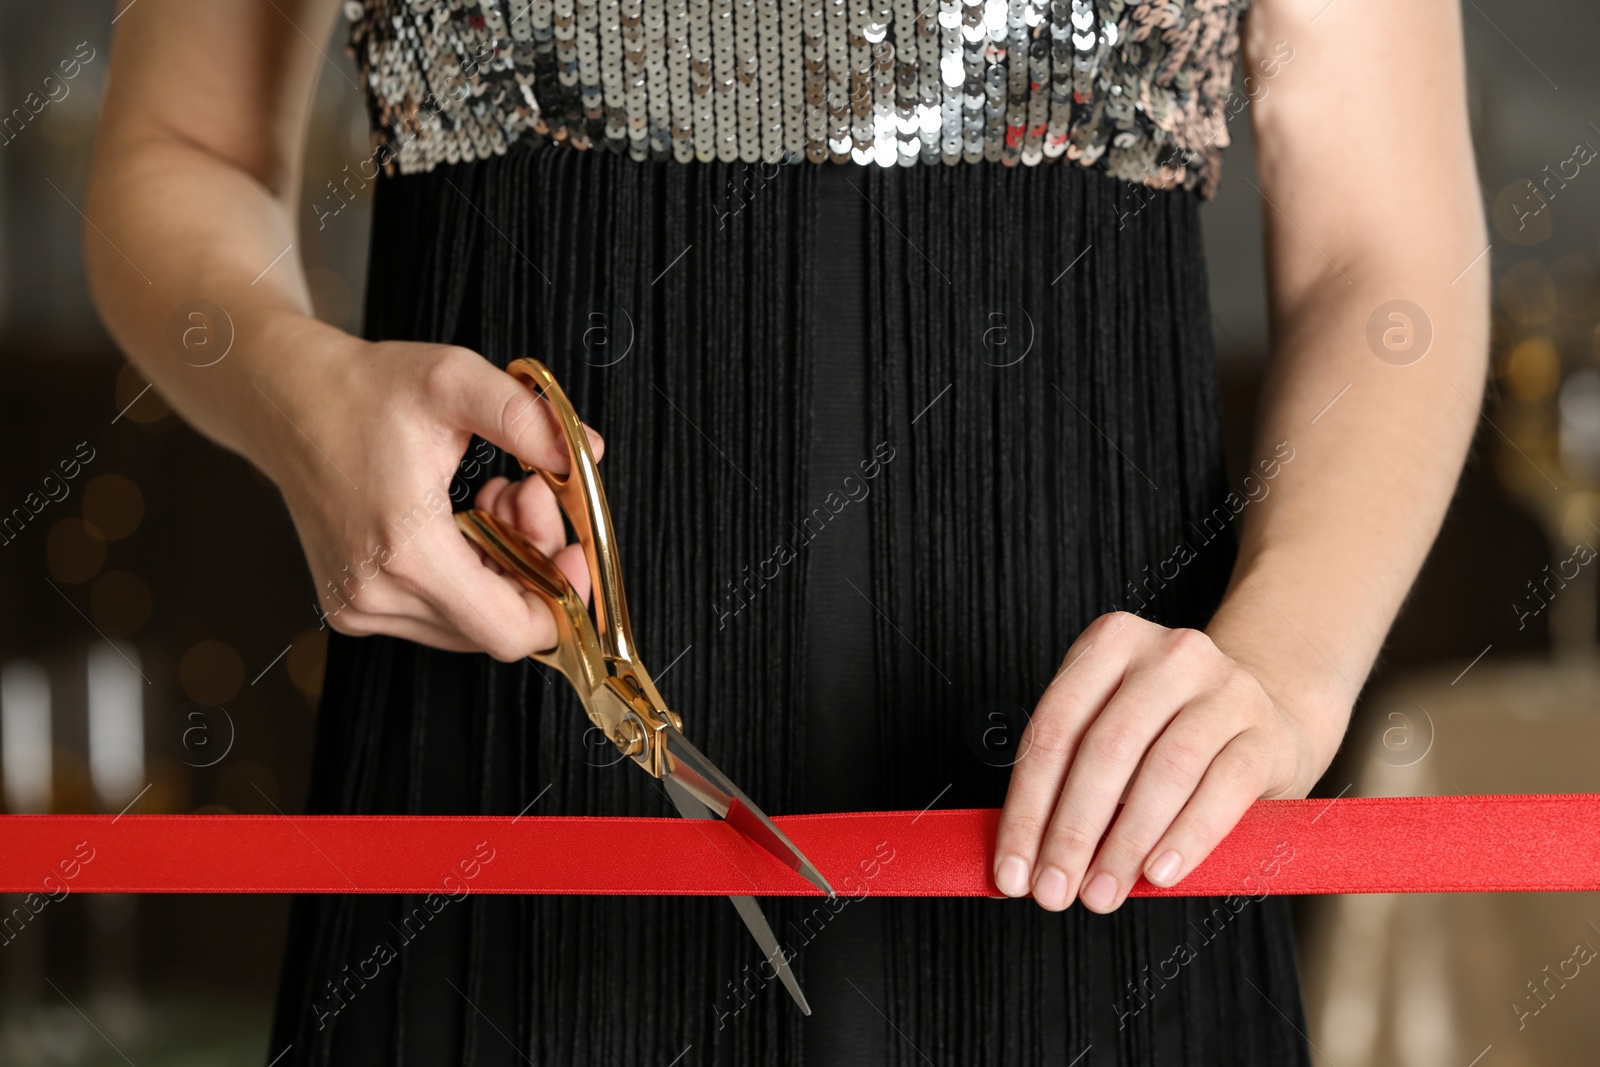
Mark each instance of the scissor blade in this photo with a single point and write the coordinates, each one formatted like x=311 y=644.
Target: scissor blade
x=700 y=777
x=754 y=920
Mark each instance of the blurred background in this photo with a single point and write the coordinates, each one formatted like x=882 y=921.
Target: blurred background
x=159 y=645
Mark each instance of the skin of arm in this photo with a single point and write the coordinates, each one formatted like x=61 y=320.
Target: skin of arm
x=193 y=196
x=1369 y=194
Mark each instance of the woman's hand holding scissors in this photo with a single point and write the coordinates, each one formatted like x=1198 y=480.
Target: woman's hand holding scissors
x=387 y=557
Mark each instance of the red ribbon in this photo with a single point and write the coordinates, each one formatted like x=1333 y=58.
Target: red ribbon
x=1530 y=843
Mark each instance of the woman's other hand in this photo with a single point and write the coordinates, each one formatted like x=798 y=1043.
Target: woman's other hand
x=1163 y=719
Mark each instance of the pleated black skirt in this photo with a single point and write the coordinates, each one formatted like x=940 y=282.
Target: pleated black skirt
x=879 y=445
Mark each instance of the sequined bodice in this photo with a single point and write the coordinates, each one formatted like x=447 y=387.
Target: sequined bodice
x=1134 y=88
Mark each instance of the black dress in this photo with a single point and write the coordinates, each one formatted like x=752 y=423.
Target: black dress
x=880 y=442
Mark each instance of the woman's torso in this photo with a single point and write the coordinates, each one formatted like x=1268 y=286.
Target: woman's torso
x=1034 y=358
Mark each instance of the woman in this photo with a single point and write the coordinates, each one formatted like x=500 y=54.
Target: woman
x=916 y=468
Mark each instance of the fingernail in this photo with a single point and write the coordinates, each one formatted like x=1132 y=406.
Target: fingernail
x=1050 y=889
x=1101 y=892
x=1164 y=871
x=594 y=437
x=1012 y=877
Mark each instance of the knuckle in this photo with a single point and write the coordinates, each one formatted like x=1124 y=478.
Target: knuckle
x=1111 y=624
x=441 y=368
x=487 y=629
x=1113 y=742
x=1179 y=759
x=1071 y=837
x=1244 y=691
x=342 y=623
x=353 y=621
x=495 y=643
x=503 y=651
x=513 y=422
x=1238 y=770
x=546 y=635
x=1190 y=645
x=361 y=597
x=1047 y=736
x=1020 y=828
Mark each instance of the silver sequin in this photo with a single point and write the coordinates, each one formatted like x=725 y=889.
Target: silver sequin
x=1135 y=89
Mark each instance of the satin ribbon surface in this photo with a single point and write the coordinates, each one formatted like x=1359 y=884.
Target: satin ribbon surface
x=1527 y=843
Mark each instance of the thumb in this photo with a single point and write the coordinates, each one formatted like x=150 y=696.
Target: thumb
x=487 y=401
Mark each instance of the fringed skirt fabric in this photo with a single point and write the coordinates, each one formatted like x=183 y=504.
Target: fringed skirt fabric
x=879 y=445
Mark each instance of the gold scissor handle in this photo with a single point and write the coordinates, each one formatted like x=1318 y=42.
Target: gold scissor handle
x=583 y=497
x=597 y=657
x=577 y=652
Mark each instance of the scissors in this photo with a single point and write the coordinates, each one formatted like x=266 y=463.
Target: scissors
x=598 y=658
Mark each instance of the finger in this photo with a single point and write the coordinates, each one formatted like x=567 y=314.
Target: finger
x=1168 y=777
x=1093 y=669
x=530 y=506
x=575 y=565
x=490 y=610
x=377 y=595
x=491 y=493
x=492 y=404
x=385 y=604
x=1112 y=746
x=1236 y=779
x=512 y=509
x=569 y=558
x=358 y=624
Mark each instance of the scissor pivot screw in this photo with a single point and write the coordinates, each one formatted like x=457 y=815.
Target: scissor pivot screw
x=630 y=736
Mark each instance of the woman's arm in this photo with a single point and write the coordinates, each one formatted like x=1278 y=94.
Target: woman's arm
x=1365 y=158
x=193 y=197
x=1370 y=195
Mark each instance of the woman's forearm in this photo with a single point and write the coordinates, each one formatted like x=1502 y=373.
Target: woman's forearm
x=177 y=217
x=1329 y=553
x=1379 y=308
